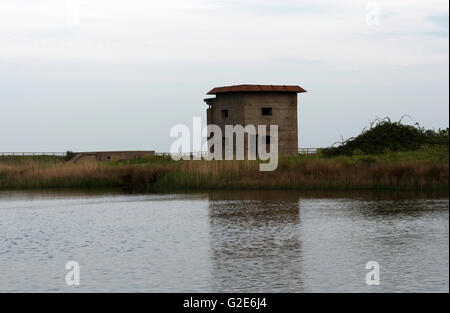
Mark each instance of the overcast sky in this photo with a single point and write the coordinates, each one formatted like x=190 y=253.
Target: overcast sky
x=118 y=74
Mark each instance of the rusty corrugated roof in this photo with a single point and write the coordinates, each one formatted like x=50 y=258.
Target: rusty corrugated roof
x=256 y=88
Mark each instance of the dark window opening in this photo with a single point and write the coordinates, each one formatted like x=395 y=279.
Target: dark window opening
x=266 y=111
x=224 y=113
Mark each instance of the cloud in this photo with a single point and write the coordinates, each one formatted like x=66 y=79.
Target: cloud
x=165 y=31
x=116 y=66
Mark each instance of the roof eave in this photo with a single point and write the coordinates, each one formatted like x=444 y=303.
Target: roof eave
x=257 y=88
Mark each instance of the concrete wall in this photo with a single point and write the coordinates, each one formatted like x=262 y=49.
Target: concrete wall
x=110 y=155
x=244 y=108
x=284 y=114
x=231 y=102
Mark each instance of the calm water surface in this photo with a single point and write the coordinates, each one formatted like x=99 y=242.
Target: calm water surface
x=223 y=242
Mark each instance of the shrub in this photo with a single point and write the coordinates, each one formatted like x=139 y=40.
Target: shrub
x=69 y=155
x=389 y=136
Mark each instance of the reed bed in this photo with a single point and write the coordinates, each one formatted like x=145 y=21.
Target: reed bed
x=167 y=175
x=309 y=174
x=90 y=175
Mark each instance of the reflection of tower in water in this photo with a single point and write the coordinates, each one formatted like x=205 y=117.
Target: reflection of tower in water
x=254 y=241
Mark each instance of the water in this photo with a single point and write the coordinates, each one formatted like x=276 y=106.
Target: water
x=223 y=242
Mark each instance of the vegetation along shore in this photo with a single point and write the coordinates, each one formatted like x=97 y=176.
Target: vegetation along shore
x=388 y=155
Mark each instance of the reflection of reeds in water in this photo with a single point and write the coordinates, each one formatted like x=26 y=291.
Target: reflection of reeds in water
x=167 y=175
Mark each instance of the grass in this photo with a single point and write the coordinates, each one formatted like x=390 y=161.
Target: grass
x=423 y=169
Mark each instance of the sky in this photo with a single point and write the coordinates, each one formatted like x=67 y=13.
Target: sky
x=91 y=75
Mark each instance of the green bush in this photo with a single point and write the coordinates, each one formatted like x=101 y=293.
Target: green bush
x=389 y=136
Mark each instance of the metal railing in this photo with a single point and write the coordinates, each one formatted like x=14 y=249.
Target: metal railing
x=190 y=154
x=165 y=154
x=308 y=150
x=203 y=153
x=32 y=153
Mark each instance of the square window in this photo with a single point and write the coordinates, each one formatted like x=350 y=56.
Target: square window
x=224 y=113
x=266 y=111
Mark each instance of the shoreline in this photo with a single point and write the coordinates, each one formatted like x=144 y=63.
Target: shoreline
x=239 y=194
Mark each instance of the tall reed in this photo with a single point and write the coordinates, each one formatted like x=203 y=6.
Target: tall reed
x=167 y=175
